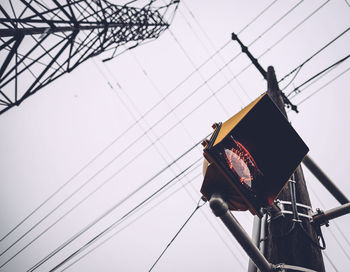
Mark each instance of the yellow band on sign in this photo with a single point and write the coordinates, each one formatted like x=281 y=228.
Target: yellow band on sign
x=228 y=125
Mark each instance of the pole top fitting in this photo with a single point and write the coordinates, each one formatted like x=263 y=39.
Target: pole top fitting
x=233 y=36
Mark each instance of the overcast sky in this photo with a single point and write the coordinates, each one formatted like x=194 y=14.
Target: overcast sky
x=55 y=133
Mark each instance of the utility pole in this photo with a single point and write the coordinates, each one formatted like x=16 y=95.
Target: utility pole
x=288 y=241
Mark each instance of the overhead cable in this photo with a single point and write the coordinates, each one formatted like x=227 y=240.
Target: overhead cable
x=297 y=69
x=180 y=121
x=100 y=186
x=205 y=82
x=122 y=168
x=177 y=233
x=109 y=228
x=85 y=166
x=297 y=89
x=294 y=28
x=198 y=106
x=133 y=221
x=323 y=86
x=131 y=126
x=100 y=153
x=117 y=156
x=256 y=17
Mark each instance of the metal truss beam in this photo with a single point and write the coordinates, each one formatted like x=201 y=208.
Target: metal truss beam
x=40 y=42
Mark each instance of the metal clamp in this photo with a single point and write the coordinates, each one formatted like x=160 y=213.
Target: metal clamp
x=285 y=267
x=300 y=214
x=298 y=204
x=281 y=203
x=274 y=211
x=320 y=213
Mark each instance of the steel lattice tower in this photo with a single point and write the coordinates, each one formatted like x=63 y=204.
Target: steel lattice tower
x=42 y=41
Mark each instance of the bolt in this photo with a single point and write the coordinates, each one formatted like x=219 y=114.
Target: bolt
x=215 y=125
x=205 y=143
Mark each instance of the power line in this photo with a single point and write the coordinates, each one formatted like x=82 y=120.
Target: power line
x=297 y=89
x=257 y=17
x=80 y=188
x=103 y=183
x=188 y=96
x=323 y=86
x=283 y=37
x=330 y=230
x=85 y=166
x=320 y=74
x=209 y=96
x=232 y=59
x=315 y=81
x=134 y=220
x=122 y=219
x=156 y=88
x=147 y=211
x=213 y=46
x=65 y=184
x=340 y=245
x=276 y=22
x=100 y=186
x=336 y=225
x=180 y=121
x=293 y=29
x=187 y=191
x=121 y=169
x=214 y=228
x=177 y=233
x=115 y=157
x=297 y=69
x=198 y=106
x=205 y=82
x=118 y=137
x=138 y=112
x=330 y=261
x=264 y=32
x=109 y=228
x=203 y=44
x=119 y=221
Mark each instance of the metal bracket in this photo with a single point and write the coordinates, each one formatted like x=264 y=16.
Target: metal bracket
x=321 y=213
x=274 y=211
x=298 y=204
x=309 y=209
x=322 y=217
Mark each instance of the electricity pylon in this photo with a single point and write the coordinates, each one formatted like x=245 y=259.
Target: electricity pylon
x=42 y=41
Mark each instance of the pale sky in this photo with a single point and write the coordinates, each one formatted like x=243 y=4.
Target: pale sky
x=56 y=132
